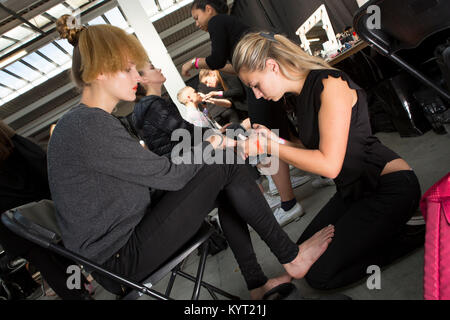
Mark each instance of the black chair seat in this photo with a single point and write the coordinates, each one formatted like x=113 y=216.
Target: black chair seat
x=36 y=222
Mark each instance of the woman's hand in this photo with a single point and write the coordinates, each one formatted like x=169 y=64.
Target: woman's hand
x=219 y=102
x=256 y=144
x=186 y=68
x=201 y=94
x=219 y=141
x=213 y=94
x=224 y=128
x=246 y=124
x=265 y=132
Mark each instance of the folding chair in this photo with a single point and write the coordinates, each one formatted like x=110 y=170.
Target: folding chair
x=36 y=222
x=403 y=24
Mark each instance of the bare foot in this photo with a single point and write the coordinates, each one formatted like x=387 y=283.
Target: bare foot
x=258 y=293
x=309 y=252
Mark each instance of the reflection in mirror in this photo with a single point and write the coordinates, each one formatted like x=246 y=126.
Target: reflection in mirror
x=317 y=35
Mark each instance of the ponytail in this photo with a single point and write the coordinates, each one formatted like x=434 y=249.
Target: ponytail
x=253 y=50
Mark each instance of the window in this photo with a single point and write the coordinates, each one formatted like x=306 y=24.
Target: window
x=23 y=71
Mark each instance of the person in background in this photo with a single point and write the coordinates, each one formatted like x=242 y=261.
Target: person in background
x=192 y=100
x=23 y=179
x=154 y=118
x=220 y=108
x=226 y=86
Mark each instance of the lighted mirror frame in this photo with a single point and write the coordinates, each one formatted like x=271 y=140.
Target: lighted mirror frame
x=320 y=14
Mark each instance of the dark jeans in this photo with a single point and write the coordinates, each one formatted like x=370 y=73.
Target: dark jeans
x=367 y=232
x=52 y=267
x=178 y=215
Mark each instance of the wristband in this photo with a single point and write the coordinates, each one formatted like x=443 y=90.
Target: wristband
x=281 y=141
x=193 y=62
x=196 y=63
x=220 y=94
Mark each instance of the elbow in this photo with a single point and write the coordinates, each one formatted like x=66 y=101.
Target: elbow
x=332 y=175
x=331 y=165
x=333 y=171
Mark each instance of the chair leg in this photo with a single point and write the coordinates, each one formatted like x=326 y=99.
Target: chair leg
x=213 y=295
x=172 y=279
x=208 y=286
x=200 y=270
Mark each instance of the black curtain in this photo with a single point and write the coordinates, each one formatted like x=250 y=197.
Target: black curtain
x=253 y=13
x=286 y=16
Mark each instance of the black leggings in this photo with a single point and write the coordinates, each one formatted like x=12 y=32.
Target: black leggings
x=178 y=215
x=367 y=232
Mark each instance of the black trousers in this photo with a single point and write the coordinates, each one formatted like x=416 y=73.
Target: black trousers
x=228 y=116
x=367 y=232
x=178 y=215
x=52 y=267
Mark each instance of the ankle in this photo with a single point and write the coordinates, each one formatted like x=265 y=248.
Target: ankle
x=288 y=205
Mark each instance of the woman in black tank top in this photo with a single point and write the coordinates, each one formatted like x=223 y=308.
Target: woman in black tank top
x=377 y=192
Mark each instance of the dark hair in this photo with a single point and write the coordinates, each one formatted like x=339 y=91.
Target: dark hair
x=220 y=6
x=141 y=92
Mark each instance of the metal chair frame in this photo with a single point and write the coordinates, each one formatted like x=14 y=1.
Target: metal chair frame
x=39 y=226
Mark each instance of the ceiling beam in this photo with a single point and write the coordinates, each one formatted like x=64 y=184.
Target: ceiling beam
x=48 y=118
x=20 y=18
x=187 y=43
x=46 y=5
x=52 y=34
x=39 y=103
x=178 y=27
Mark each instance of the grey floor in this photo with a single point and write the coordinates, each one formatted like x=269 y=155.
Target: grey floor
x=429 y=155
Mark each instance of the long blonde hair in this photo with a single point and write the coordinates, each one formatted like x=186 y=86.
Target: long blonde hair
x=253 y=50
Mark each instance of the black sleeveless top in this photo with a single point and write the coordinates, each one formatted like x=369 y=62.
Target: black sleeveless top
x=365 y=156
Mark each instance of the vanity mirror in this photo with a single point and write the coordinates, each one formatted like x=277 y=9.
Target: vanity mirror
x=317 y=35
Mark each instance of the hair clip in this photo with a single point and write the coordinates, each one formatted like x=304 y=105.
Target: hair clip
x=268 y=35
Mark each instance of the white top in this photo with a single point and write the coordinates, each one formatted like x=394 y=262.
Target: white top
x=196 y=117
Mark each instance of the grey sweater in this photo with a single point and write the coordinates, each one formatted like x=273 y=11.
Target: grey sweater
x=100 y=178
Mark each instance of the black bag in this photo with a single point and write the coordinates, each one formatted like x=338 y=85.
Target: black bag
x=217 y=241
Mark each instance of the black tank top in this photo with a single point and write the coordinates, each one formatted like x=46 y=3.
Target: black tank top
x=365 y=156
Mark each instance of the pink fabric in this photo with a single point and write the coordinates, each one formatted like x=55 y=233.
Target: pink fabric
x=435 y=207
